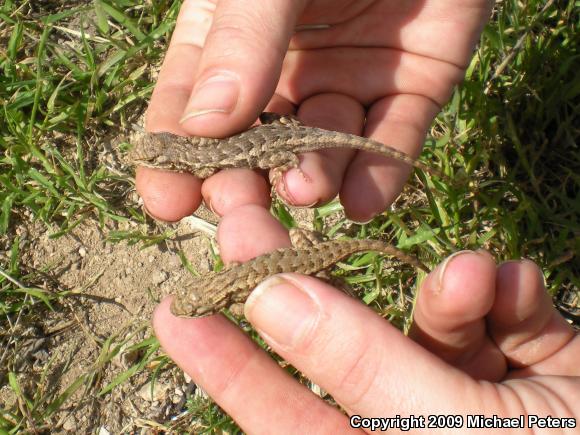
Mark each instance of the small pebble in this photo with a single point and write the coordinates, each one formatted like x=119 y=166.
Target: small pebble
x=174 y=262
x=157 y=395
x=69 y=425
x=160 y=277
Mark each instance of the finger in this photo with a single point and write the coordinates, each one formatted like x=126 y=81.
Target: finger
x=234 y=188
x=249 y=231
x=422 y=28
x=526 y=326
x=400 y=121
x=319 y=176
x=227 y=364
x=168 y=196
x=232 y=370
x=367 y=365
x=281 y=105
x=240 y=65
x=177 y=75
x=449 y=316
x=405 y=90
x=386 y=72
x=171 y=196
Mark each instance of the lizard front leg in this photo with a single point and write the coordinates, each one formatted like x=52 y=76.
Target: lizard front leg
x=302 y=238
x=275 y=118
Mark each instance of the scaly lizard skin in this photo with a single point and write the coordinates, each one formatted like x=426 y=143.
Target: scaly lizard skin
x=275 y=144
x=272 y=145
x=214 y=291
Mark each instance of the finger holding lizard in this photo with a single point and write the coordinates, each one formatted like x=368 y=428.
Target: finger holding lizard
x=227 y=58
x=201 y=90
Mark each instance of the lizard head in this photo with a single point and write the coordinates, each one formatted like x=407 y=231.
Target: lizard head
x=184 y=306
x=150 y=150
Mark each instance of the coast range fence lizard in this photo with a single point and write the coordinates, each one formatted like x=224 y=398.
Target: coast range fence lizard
x=272 y=145
x=212 y=292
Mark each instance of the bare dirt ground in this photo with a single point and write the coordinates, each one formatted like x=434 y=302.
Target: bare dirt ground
x=113 y=290
x=115 y=287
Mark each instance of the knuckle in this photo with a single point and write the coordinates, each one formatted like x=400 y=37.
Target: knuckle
x=359 y=373
x=237 y=33
x=237 y=28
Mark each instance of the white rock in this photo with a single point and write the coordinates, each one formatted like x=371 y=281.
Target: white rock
x=69 y=425
x=157 y=395
x=160 y=277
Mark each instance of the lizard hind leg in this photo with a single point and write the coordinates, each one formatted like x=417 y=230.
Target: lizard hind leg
x=237 y=309
x=204 y=173
x=302 y=238
x=279 y=162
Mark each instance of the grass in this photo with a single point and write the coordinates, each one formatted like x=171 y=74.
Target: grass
x=510 y=131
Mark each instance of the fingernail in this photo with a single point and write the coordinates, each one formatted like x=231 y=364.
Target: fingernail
x=217 y=94
x=443 y=267
x=362 y=221
x=523 y=261
x=151 y=215
x=210 y=206
x=282 y=312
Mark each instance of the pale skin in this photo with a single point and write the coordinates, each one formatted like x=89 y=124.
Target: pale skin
x=465 y=336
x=486 y=340
x=224 y=67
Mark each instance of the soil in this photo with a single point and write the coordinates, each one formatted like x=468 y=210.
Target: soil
x=112 y=290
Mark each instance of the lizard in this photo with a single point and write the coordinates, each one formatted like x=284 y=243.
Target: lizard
x=274 y=144
x=214 y=291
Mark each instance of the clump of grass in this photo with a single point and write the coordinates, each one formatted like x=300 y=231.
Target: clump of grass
x=528 y=118
x=72 y=76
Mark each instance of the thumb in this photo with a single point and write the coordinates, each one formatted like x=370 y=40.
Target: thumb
x=366 y=364
x=240 y=65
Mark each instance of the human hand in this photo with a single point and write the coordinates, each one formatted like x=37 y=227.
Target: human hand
x=382 y=69
x=487 y=341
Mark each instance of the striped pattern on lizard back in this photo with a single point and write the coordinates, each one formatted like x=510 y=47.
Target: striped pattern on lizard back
x=273 y=145
x=217 y=290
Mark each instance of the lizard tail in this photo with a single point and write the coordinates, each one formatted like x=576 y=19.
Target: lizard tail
x=385 y=248
x=345 y=140
x=341 y=249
